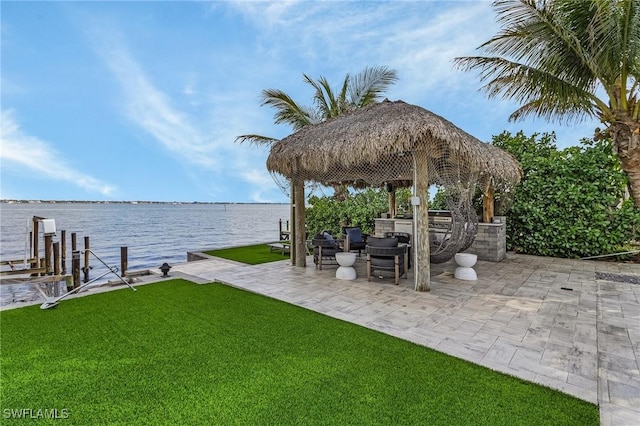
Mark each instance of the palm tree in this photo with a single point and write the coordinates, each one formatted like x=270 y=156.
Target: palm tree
x=569 y=60
x=363 y=89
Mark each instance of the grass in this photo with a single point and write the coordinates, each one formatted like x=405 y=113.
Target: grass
x=180 y=353
x=252 y=255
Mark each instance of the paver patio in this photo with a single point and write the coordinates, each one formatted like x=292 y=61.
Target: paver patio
x=546 y=320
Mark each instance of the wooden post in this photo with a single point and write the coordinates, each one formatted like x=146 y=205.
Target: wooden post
x=292 y=214
x=35 y=243
x=488 y=201
x=299 y=224
x=86 y=259
x=421 y=242
x=48 y=252
x=124 y=261
x=56 y=259
x=56 y=268
x=31 y=256
x=74 y=243
x=392 y=200
x=75 y=268
x=63 y=251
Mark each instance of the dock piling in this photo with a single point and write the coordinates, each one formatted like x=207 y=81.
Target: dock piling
x=63 y=251
x=48 y=252
x=75 y=267
x=124 y=261
x=86 y=260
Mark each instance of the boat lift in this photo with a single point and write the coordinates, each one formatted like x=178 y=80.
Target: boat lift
x=52 y=302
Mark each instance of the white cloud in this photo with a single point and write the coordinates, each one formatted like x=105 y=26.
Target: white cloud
x=202 y=141
x=258 y=177
x=36 y=155
x=151 y=109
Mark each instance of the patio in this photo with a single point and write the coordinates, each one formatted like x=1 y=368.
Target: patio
x=545 y=320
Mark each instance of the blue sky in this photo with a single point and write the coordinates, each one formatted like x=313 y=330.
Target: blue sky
x=143 y=100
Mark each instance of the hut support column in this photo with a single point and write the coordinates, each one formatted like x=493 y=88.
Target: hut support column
x=292 y=229
x=299 y=232
x=420 y=242
x=392 y=200
x=488 y=199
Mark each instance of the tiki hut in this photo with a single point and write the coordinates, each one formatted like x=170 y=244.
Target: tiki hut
x=388 y=143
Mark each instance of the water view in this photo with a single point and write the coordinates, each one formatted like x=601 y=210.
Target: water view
x=153 y=233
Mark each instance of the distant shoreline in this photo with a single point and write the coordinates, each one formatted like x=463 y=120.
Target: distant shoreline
x=7 y=201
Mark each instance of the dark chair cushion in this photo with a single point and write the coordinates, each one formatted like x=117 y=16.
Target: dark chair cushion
x=382 y=242
x=386 y=262
x=326 y=251
x=327 y=236
x=355 y=235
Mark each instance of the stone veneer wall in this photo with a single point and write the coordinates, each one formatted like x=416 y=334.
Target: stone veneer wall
x=384 y=225
x=491 y=241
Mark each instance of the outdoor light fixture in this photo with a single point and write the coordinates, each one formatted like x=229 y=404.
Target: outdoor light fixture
x=165 y=269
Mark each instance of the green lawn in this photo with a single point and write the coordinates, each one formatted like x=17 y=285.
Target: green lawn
x=179 y=353
x=252 y=255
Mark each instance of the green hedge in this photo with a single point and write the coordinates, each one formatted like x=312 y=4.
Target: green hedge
x=358 y=209
x=569 y=203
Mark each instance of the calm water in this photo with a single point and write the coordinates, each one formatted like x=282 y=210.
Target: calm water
x=153 y=233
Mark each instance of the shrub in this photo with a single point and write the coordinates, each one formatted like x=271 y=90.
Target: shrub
x=358 y=209
x=569 y=203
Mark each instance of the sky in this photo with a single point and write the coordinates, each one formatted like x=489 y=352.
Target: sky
x=131 y=101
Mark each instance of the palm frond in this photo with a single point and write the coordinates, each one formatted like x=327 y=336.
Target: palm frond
x=342 y=97
x=256 y=139
x=369 y=84
x=314 y=116
x=567 y=101
x=287 y=110
x=319 y=100
x=562 y=52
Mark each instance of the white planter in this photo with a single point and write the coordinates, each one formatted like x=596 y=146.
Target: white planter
x=465 y=270
x=346 y=261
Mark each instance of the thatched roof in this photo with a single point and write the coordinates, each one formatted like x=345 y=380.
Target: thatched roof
x=374 y=144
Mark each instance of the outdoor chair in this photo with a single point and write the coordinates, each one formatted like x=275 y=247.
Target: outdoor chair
x=403 y=238
x=325 y=248
x=384 y=255
x=354 y=239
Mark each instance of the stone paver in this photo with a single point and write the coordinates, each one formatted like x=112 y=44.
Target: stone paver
x=545 y=320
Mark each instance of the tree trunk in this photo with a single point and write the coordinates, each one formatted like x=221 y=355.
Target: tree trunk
x=626 y=144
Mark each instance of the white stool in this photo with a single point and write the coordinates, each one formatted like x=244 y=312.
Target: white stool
x=465 y=262
x=346 y=270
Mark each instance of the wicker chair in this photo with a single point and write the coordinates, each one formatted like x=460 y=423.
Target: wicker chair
x=384 y=254
x=403 y=238
x=325 y=248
